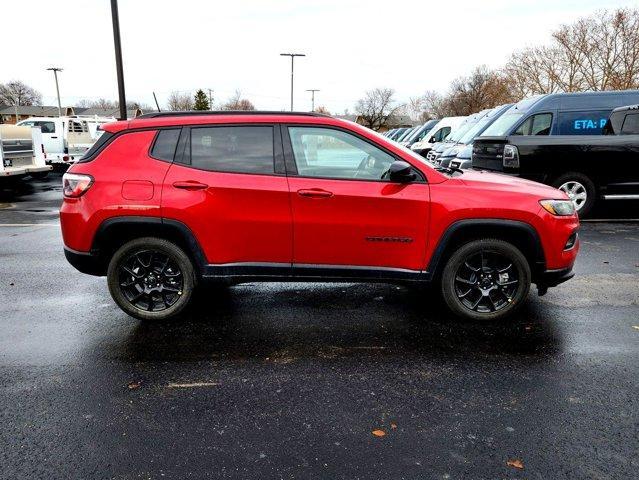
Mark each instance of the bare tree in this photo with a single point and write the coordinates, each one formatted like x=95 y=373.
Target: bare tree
x=17 y=93
x=322 y=109
x=376 y=106
x=599 y=52
x=179 y=101
x=236 y=102
x=99 y=103
x=482 y=89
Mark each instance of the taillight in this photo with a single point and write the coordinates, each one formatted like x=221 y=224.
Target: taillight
x=511 y=156
x=75 y=185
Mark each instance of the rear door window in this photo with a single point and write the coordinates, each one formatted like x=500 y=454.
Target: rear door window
x=538 y=124
x=630 y=124
x=233 y=149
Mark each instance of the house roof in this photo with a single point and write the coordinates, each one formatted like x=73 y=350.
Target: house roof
x=52 y=111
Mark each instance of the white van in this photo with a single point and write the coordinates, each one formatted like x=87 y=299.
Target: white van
x=67 y=138
x=437 y=134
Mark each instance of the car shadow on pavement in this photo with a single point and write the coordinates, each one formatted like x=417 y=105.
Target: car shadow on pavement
x=293 y=322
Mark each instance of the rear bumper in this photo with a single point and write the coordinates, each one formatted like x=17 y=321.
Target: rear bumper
x=85 y=262
x=46 y=168
x=13 y=172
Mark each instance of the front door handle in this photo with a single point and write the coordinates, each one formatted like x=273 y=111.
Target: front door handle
x=315 y=193
x=190 y=185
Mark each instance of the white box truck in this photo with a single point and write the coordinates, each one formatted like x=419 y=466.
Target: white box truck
x=21 y=152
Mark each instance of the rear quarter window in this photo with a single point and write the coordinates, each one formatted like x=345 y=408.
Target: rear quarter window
x=631 y=124
x=165 y=144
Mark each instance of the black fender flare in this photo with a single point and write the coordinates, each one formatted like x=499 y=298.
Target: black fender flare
x=538 y=262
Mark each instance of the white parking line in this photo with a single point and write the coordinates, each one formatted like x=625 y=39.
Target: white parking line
x=29 y=224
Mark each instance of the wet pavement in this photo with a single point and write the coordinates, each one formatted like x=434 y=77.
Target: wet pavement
x=290 y=380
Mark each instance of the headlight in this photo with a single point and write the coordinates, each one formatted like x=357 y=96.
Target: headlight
x=561 y=208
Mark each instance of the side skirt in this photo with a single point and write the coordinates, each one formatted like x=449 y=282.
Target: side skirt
x=286 y=272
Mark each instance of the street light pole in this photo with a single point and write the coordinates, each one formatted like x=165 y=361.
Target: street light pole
x=118 y=57
x=292 y=55
x=312 y=90
x=55 y=71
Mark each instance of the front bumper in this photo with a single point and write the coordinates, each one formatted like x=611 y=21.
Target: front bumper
x=552 y=278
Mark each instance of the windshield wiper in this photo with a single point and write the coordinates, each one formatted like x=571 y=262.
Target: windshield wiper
x=449 y=170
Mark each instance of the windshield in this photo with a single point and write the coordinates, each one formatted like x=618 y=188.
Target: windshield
x=460 y=131
x=405 y=135
x=470 y=135
x=415 y=133
x=502 y=125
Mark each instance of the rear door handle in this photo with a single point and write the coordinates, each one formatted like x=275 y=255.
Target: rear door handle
x=190 y=185
x=315 y=193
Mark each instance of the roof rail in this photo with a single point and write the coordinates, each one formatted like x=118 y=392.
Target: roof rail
x=189 y=113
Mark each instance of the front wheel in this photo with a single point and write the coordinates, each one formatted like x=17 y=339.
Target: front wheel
x=486 y=280
x=151 y=278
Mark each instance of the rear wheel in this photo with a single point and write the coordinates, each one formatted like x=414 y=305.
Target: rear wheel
x=151 y=279
x=580 y=189
x=486 y=280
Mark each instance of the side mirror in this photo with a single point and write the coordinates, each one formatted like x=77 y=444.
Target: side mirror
x=401 y=172
x=432 y=139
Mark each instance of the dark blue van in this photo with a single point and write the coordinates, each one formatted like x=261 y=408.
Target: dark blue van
x=582 y=113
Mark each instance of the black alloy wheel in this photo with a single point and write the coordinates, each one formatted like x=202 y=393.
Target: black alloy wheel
x=151 y=278
x=485 y=279
x=486 y=282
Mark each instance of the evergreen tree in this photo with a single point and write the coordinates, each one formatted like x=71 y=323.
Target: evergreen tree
x=201 y=101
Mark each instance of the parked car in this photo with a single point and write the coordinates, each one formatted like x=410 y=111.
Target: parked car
x=453 y=138
x=21 y=153
x=168 y=200
x=585 y=167
x=398 y=133
x=448 y=155
x=437 y=134
x=582 y=113
x=419 y=133
x=406 y=134
x=66 y=139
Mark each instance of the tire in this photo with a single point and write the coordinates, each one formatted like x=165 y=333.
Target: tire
x=575 y=183
x=151 y=279
x=39 y=175
x=506 y=288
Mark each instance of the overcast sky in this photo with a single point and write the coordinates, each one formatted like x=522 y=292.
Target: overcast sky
x=351 y=46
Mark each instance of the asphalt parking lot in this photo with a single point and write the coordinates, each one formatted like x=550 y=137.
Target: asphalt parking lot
x=292 y=380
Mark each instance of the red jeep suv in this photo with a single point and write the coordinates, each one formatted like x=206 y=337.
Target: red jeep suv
x=168 y=200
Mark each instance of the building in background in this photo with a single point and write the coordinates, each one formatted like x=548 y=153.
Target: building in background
x=8 y=113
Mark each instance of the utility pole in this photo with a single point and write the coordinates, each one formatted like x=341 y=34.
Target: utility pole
x=210 y=98
x=55 y=71
x=292 y=55
x=312 y=90
x=118 y=57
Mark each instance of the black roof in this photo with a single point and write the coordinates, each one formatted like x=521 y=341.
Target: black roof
x=189 y=113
